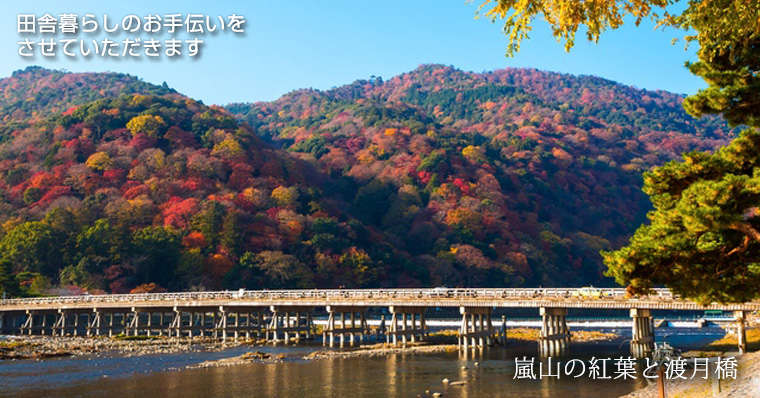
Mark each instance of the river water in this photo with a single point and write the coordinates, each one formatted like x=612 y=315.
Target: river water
x=399 y=375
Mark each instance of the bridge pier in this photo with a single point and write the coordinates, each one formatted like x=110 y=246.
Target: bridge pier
x=62 y=325
x=42 y=327
x=243 y=322
x=555 y=335
x=741 y=331
x=355 y=328
x=297 y=324
x=409 y=330
x=105 y=320
x=197 y=321
x=642 y=340
x=476 y=330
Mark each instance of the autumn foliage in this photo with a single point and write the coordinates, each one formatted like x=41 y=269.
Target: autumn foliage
x=435 y=177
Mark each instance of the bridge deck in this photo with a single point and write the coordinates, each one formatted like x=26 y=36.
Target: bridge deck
x=612 y=299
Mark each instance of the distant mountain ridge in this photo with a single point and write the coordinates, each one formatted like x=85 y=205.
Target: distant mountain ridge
x=37 y=92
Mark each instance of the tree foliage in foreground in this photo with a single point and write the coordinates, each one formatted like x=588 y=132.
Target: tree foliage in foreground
x=703 y=240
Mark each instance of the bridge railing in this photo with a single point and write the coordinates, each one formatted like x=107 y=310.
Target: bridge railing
x=342 y=294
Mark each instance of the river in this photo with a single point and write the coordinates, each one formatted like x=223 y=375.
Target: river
x=398 y=375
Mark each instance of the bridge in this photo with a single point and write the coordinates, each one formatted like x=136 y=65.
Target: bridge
x=286 y=315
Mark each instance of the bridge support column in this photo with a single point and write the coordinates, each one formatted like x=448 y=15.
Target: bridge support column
x=555 y=335
x=352 y=329
x=409 y=330
x=161 y=322
x=60 y=323
x=297 y=324
x=133 y=327
x=382 y=330
x=28 y=325
x=503 y=331
x=741 y=332
x=476 y=329
x=175 y=327
x=94 y=325
x=110 y=324
x=642 y=340
x=221 y=325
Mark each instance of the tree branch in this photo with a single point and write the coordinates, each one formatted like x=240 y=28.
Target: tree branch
x=746 y=229
x=742 y=248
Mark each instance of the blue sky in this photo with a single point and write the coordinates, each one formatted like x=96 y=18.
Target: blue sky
x=321 y=44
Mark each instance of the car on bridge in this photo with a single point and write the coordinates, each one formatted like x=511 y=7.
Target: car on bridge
x=591 y=292
x=442 y=291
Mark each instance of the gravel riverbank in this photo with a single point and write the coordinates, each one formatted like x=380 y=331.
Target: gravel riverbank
x=39 y=347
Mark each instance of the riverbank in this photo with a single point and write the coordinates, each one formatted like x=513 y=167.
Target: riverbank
x=747 y=383
x=40 y=347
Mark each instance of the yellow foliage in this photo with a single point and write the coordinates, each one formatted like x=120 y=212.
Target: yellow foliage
x=444 y=190
x=149 y=125
x=377 y=150
x=12 y=222
x=565 y=17
x=99 y=161
x=285 y=196
x=229 y=148
x=561 y=154
x=138 y=100
x=474 y=153
x=365 y=157
x=159 y=159
x=488 y=105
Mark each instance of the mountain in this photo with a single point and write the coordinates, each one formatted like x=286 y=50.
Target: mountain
x=518 y=168
x=514 y=177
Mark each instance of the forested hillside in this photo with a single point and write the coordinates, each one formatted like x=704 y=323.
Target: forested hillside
x=517 y=168
x=435 y=177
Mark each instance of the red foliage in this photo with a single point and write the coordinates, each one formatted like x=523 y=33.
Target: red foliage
x=177 y=212
x=194 y=240
x=142 y=142
x=54 y=193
